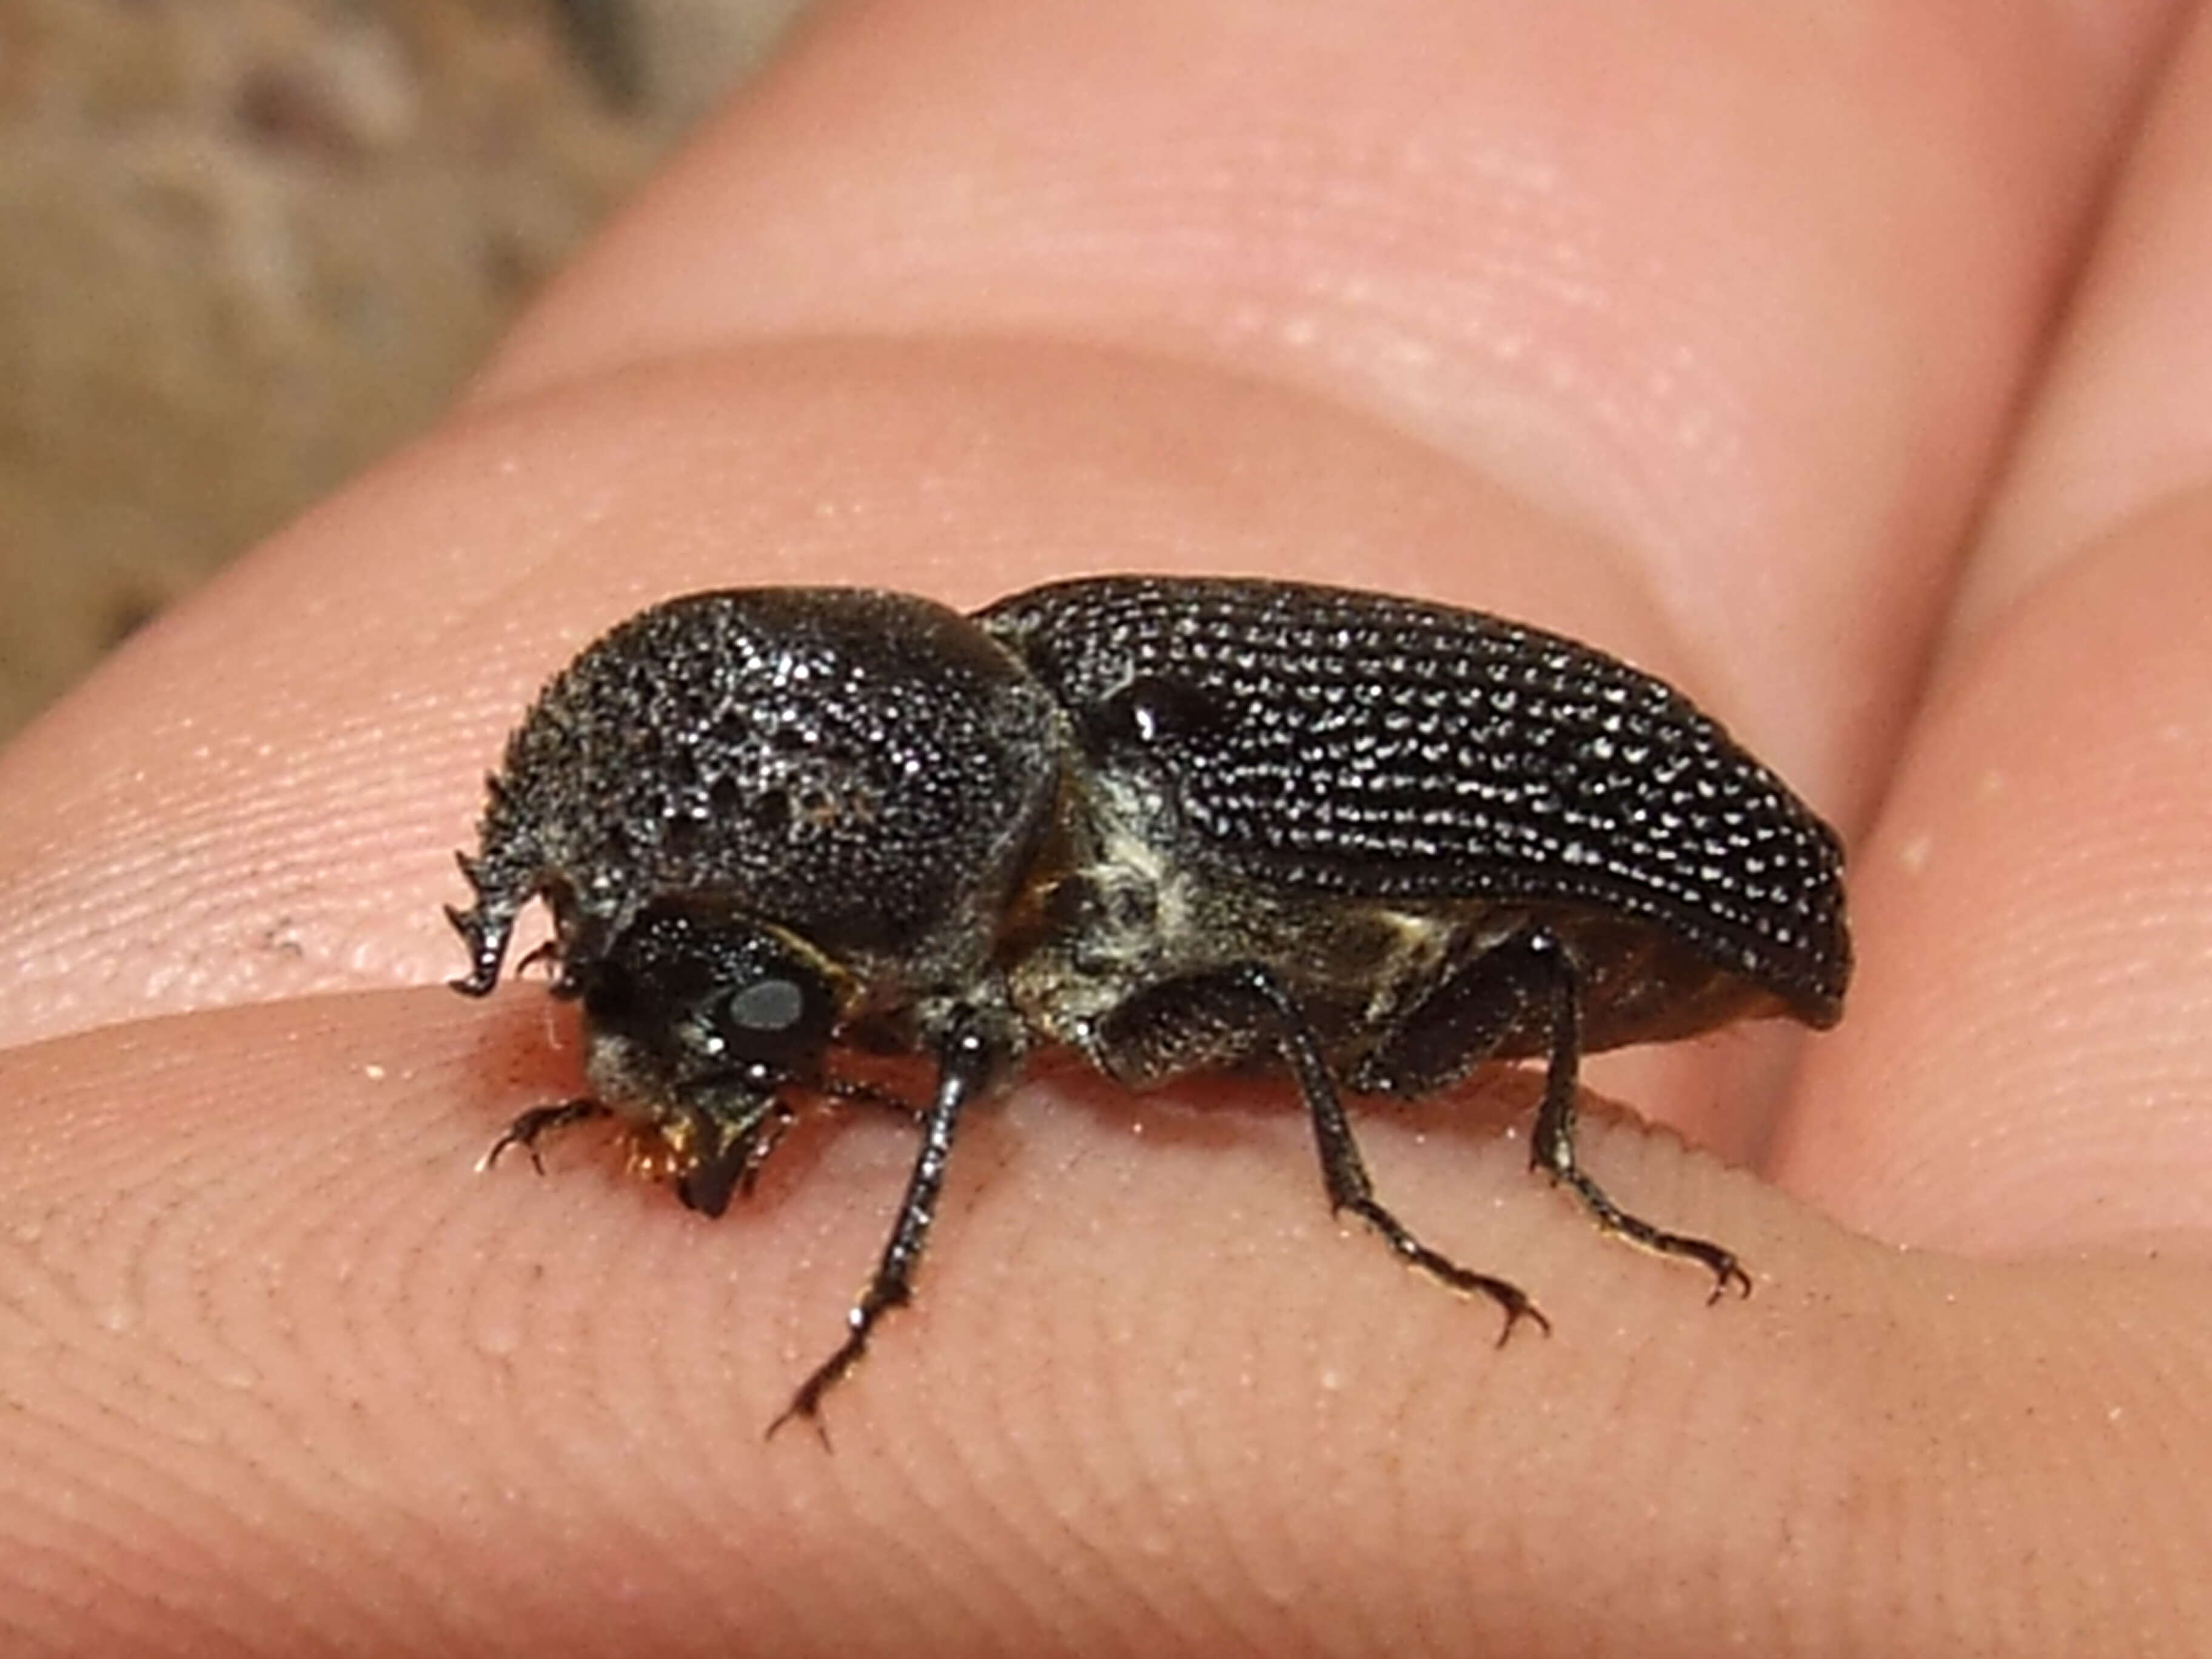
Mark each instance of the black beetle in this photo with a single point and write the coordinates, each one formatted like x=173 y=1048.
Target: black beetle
x=1172 y=823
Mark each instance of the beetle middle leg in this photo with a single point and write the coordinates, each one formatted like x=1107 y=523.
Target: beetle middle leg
x=1530 y=975
x=1223 y=1014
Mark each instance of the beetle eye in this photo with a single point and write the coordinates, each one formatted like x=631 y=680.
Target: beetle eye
x=766 y=1005
x=778 y=1020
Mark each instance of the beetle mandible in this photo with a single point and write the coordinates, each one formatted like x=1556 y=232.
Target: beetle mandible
x=1174 y=824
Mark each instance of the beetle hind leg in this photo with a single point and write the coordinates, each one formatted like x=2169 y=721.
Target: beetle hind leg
x=1531 y=975
x=1552 y=1148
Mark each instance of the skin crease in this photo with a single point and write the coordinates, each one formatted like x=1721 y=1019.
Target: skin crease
x=1708 y=337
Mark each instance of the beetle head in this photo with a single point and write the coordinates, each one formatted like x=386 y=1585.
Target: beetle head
x=698 y=1020
x=690 y=999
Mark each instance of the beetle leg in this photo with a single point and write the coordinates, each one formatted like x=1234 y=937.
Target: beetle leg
x=1462 y=1022
x=868 y=1094
x=1228 y=1014
x=968 y=1061
x=1552 y=1148
x=533 y=1125
x=1344 y=1172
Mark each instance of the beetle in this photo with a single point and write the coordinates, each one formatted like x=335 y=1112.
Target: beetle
x=1174 y=824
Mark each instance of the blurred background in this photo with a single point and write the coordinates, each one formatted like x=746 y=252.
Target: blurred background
x=248 y=246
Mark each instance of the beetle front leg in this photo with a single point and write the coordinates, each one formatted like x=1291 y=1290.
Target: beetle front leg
x=966 y=1064
x=534 y=1125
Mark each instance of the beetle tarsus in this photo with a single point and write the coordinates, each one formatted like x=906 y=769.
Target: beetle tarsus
x=806 y=1400
x=534 y=1125
x=1511 y=1298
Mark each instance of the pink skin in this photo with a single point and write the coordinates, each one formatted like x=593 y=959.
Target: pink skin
x=1710 y=335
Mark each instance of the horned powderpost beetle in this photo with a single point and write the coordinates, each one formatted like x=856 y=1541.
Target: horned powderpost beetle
x=1174 y=824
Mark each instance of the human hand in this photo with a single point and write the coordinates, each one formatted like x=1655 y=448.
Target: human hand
x=1724 y=339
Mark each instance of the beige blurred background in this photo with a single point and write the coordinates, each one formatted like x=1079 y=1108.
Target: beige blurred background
x=248 y=245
